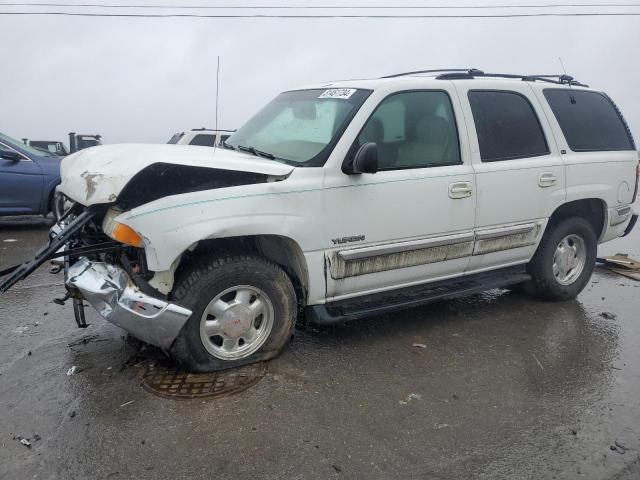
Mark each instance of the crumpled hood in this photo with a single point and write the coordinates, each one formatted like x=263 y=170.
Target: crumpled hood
x=98 y=174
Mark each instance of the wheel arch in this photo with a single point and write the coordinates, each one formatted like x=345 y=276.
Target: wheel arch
x=281 y=250
x=594 y=210
x=48 y=196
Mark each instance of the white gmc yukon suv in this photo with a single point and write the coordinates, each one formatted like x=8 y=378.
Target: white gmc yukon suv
x=343 y=200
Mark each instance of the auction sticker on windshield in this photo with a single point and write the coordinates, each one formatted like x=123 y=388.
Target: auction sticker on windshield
x=338 y=93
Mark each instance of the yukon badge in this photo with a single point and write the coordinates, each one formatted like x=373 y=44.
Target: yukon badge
x=354 y=238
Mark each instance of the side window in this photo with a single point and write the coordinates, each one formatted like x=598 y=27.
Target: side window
x=507 y=126
x=589 y=121
x=413 y=130
x=204 y=140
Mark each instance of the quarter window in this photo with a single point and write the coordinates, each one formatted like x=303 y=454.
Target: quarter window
x=413 y=130
x=589 y=121
x=507 y=126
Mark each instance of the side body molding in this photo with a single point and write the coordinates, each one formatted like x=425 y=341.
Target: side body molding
x=379 y=258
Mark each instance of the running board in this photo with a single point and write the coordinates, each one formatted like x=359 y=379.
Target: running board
x=378 y=303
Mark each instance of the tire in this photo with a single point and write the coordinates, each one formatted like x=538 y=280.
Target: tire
x=255 y=312
x=552 y=275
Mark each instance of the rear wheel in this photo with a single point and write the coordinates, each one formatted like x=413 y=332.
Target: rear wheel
x=243 y=308
x=564 y=261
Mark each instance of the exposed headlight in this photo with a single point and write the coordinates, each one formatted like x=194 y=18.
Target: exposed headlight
x=119 y=231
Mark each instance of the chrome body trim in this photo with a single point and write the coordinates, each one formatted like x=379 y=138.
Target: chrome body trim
x=386 y=249
x=111 y=292
x=505 y=238
x=619 y=215
x=381 y=258
x=503 y=231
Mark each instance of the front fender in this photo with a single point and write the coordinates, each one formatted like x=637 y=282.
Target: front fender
x=173 y=224
x=164 y=247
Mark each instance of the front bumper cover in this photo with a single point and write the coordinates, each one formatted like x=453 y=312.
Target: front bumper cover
x=111 y=292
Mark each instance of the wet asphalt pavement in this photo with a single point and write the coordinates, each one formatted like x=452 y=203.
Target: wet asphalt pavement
x=505 y=387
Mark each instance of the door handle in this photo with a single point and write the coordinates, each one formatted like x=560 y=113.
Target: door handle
x=460 y=190
x=547 y=179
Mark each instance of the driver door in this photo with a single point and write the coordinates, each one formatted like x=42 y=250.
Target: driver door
x=412 y=221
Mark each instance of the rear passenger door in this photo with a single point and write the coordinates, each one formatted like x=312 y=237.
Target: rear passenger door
x=520 y=176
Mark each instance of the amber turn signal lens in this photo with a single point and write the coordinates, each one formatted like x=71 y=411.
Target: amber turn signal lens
x=125 y=234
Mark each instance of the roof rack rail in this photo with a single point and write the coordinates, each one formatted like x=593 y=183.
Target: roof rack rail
x=473 y=73
x=470 y=73
x=438 y=70
x=203 y=129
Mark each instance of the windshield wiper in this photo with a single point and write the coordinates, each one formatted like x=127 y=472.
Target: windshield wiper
x=256 y=152
x=226 y=145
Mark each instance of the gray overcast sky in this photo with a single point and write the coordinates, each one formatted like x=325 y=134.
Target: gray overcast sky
x=140 y=80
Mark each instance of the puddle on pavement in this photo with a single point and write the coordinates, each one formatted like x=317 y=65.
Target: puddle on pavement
x=169 y=382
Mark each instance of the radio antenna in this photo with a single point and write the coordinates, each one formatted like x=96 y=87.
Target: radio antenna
x=215 y=143
x=562 y=65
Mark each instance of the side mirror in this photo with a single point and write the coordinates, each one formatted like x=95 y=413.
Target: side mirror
x=10 y=155
x=364 y=161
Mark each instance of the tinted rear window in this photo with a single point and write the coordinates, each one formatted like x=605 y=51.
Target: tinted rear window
x=507 y=126
x=204 y=140
x=589 y=121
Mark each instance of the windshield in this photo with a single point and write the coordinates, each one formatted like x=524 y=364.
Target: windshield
x=300 y=127
x=12 y=142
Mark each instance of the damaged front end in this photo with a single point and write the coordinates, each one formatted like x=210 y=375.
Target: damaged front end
x=125 y=269
x=110 y=290
x=109 y=275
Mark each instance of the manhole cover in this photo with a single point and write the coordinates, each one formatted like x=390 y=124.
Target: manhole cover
x=172 y=383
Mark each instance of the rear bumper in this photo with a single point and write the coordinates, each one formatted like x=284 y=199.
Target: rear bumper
x=111 y=292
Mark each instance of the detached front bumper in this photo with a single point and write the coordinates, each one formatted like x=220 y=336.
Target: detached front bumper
x=111 y=292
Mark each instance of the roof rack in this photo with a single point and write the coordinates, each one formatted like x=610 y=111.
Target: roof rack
x=470 y=73
x=203 y=129
x=440 y=70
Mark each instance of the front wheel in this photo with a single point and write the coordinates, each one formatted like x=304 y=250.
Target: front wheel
x=244 y=310
x=564 y=261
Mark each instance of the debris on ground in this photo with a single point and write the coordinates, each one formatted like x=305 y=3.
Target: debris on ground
x=127 y=403
x=24 y=441
x=72 y=371
x=538 y=361
x=608 y=315
x=621 y=264
x=620 y=446
x=411 y=396
x=419 y=345
x=615 y=448
x=72 y=413
x=10 y=240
